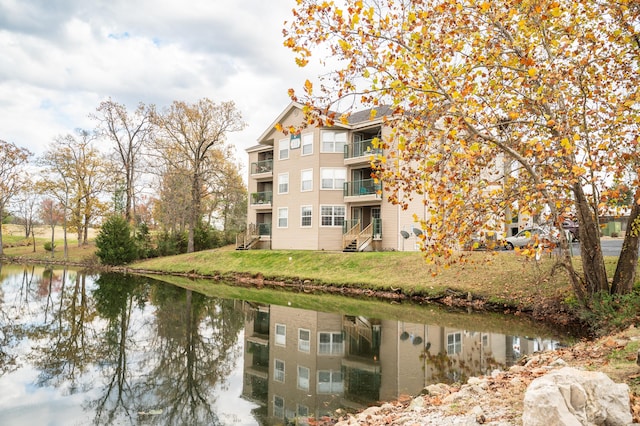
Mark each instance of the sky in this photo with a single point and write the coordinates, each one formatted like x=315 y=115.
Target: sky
x=60 y=58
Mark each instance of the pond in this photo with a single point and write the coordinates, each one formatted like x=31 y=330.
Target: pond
x=119 y=349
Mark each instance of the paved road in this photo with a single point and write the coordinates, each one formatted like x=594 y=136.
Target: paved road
x=610 y=247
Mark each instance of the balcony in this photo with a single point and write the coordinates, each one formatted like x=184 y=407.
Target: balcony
x=262 y=199
x=262 y=168
x=362 y=190
x=360 y=151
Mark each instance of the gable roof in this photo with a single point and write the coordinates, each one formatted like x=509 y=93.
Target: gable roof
x=365 y=115
x=355 y=118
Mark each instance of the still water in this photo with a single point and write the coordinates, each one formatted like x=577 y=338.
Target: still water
x=110 y=349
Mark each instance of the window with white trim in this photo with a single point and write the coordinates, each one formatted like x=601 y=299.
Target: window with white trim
x=333 y=141
x=283 y=149
x=304 y=340
x=303 y=378
x=283 y=183
x=332 y=215
x=454 y=343
x=307 y=144
x=330 y=381
x=283 y=217
x=333 y=178
x=330 y=343
x=278 y=370
x=281 y=335
x=278 y=406
x=306 y=180
x=306 y=216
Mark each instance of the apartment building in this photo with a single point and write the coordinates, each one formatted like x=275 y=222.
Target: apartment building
x=314 y=190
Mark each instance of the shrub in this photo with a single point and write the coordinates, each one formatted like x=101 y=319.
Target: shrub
x=48 y=246
x=114 y=243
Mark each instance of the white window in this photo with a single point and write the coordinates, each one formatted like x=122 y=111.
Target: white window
x=332 y=215
x=307 y=144
x=305 y=216
x=278 y=406
x=281 y=334
x=330 y=343
x=333 y=141
x=283 y=183
x=332 y=178
x=454 y=343
x=283 y=149
x=283 y=217
x=303 y=378
x=278 y=371
x=306 y=180
x=304 y=340
x=330 y=381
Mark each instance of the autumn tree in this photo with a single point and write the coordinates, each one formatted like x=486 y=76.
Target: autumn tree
x=191 y=141
x=129 y=133
x=13 y=160
x=51 y=213
x=530 y=105
x=75 y=173
x=25 y=205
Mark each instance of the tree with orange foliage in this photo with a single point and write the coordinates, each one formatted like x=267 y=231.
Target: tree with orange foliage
x=543 y=93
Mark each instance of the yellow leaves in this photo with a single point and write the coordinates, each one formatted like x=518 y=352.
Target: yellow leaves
x=556 y=12
x=578 y=170
x=279 y=127
x=344 y=45
x=308 y=87
x=533 y=72
x=484 y=6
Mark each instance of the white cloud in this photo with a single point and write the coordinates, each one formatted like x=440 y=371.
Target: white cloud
x=61 y=58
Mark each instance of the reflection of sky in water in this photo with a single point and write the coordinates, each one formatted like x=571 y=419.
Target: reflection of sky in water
x=24 y=402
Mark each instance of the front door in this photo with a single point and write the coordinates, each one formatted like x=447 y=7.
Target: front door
x=356 y=215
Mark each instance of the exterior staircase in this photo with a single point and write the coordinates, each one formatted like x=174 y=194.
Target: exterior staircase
x=355 y=240
x=248 y=239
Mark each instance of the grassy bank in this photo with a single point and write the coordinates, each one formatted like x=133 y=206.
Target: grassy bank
x=498 y=277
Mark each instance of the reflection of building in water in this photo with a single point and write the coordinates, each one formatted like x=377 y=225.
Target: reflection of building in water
x=301 y=363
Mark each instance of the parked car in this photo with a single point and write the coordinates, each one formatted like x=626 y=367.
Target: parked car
x=529 y=236
x=572 y=227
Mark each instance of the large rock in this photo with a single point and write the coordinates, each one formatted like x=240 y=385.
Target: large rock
x=568 y=397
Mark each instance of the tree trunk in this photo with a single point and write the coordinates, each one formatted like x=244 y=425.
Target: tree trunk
x=595 y=274
x=625 y=274
x=194 y=214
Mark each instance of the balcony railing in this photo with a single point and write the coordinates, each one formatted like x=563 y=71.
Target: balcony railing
x=264 y=229
x=264 y=166
x=360 y=149
x=261 y=197
x=376 y=226
x=361 y=187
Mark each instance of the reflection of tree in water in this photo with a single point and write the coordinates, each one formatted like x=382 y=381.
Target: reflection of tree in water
x=66 y=336
x=31 y=290
x=115 y=297
x=196 y=351
x=172 y=377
